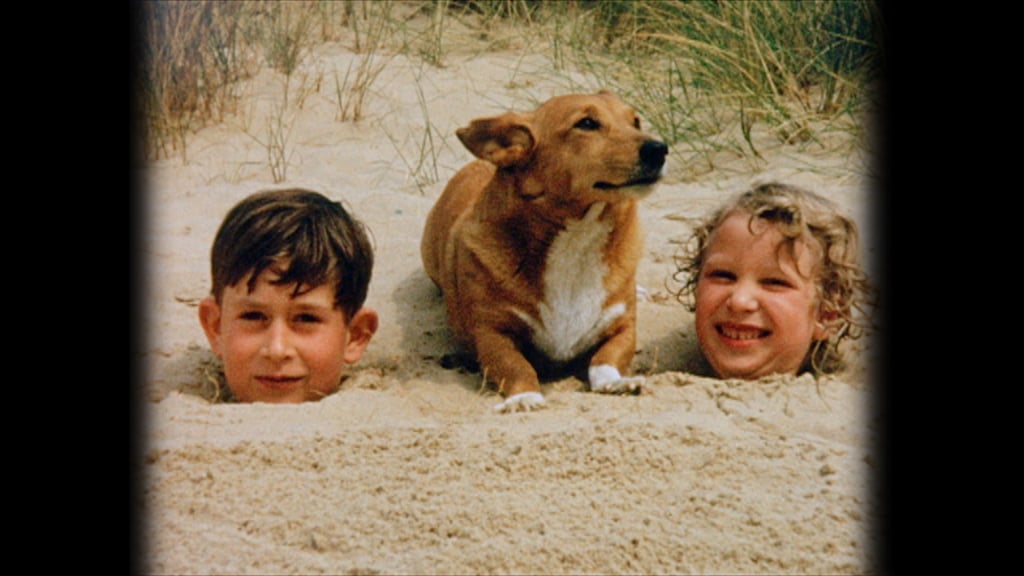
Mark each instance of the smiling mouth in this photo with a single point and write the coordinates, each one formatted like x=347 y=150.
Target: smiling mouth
x=735 y=333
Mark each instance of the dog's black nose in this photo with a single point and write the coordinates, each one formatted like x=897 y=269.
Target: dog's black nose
x=652 y=153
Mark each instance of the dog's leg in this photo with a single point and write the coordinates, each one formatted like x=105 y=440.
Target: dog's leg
x=607 y=364
x=503 y=364
x=607 y=379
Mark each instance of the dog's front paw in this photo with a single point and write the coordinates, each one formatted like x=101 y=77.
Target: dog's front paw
x=525 y=402
x=607 y=380
x=630 y=385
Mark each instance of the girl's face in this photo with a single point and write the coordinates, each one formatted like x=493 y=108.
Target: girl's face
x=757 y=307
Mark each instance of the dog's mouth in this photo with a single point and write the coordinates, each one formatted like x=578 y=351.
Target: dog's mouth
x=643 y=181
x=647 y=170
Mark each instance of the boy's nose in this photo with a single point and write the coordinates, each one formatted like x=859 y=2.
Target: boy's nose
x=277 y=344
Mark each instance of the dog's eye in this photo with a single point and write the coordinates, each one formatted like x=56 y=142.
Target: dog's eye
x=636 y=123
x=587 y=123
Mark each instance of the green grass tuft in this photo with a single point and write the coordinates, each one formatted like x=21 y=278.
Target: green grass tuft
x=711 y=77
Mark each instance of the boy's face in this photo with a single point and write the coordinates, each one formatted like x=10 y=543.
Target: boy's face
x=280 y=348
x=756 y=314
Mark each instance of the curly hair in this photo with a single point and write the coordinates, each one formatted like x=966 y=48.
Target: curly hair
x=799 y=215
x=315 y=237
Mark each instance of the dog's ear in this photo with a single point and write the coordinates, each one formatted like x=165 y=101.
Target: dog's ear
x=505 y=140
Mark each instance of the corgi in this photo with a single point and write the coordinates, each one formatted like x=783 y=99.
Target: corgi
x=535 y=244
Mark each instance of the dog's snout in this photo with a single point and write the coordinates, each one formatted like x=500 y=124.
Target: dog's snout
x=652 y=153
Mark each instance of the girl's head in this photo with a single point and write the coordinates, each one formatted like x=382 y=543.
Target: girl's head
x=774 y=279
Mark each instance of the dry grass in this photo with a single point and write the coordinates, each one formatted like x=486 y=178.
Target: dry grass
x=714 y=77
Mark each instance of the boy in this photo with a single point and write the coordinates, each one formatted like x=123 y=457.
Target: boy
x=291 y=270
x=774 y=276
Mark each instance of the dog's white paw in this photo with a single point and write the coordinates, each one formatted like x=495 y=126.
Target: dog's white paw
x=630 y=385
x=606 y=379
x=525 y=402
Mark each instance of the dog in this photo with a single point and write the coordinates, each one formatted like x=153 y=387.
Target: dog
x=535 y=244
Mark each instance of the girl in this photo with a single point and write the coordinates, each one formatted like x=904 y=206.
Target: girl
x=774 y=280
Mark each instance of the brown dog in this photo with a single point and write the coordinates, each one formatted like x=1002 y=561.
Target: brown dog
x=535 y=246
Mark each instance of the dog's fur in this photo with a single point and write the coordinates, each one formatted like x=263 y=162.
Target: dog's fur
x=535 y=245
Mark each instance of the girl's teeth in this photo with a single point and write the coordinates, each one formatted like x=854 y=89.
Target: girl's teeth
x=741 y=334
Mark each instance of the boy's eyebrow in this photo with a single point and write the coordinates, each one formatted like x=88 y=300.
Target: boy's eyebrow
x=250 y=300
x=247 y=300
x=301 y=303
x=307 y=306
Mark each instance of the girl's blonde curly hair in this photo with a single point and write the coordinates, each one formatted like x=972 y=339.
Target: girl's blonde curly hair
x=799 y=215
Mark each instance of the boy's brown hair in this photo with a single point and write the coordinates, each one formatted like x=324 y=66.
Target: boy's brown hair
x=314 y=237
x=798 y=214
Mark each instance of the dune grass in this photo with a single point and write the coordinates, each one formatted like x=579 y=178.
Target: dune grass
x=371 y=36
x=193 y=55
x=711 y=77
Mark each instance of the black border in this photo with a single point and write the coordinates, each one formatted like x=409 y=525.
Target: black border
x=891 y=194
x=137 y=278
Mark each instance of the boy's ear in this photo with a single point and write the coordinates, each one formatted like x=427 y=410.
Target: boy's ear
x=361 y=329
x=209 y=317
x=504 y=141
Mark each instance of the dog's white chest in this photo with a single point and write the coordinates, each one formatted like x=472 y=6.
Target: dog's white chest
x=572 y=315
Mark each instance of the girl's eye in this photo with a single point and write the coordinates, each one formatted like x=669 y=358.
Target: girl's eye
x=722 y=275
x=777 y=283
x=588 y=124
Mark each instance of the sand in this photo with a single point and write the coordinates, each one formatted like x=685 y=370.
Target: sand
x=406 y=469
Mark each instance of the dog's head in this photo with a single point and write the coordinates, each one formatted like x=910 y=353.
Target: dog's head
x=578 y=146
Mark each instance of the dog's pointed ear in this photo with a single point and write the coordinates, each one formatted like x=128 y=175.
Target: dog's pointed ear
x=505 y=140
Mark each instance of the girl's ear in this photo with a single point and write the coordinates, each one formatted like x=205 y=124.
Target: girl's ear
x=209 y=318
x=361 y=329
x=825 y=324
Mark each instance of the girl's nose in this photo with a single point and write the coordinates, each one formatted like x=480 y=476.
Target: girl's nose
x=743 y=299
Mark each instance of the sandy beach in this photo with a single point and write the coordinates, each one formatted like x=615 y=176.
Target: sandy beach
x=407 y=469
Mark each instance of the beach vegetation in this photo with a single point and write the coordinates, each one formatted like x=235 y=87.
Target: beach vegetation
x=712 y=78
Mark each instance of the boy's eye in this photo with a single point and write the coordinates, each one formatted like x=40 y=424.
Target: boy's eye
x=251 y=315
x=307 y=318
x=588 y=124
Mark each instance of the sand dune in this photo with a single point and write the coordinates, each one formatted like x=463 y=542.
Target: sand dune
x=407 y=469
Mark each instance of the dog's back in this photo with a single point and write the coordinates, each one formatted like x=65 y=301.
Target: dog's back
x=457 y=200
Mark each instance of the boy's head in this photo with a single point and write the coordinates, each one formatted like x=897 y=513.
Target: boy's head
x=774 y=279
x=291 y=270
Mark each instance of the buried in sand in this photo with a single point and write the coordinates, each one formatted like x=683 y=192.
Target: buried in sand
x=405 y=467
